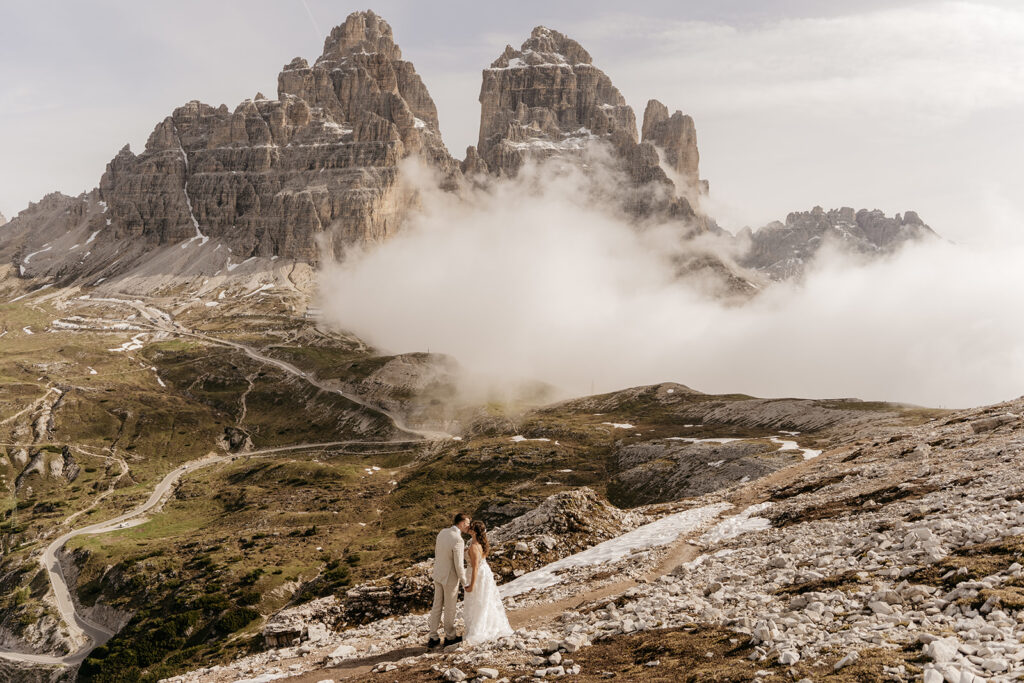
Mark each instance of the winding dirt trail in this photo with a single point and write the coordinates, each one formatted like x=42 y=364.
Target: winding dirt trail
x=162 y=321
x=80 y=626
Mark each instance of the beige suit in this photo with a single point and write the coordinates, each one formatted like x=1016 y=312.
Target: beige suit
x=449 y=571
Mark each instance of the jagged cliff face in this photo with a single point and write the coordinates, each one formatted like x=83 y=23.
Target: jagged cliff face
x=275 y=177
x=55 y=236
x=315 y=171
x=675 y=137
x=782 y=250
x=547 y=99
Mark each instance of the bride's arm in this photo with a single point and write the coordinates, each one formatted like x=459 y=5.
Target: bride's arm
x=474 y=560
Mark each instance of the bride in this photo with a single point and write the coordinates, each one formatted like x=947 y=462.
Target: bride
x=482 y=610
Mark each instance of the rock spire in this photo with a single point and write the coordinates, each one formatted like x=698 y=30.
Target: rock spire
x=316 y=166
x=548 y=99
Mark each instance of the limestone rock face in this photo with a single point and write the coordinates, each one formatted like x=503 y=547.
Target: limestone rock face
x=473 y=165
x=280 y=177
x=52 y=237
x=548 y=99
x=676 y=137
x=782 y=250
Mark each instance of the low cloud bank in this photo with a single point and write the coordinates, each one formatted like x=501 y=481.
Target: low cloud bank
x=541 y=278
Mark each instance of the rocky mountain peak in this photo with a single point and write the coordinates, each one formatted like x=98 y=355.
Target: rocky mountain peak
x=544 y=99
x=548 y=99
x=544 y=46
x=3 y=220
x=362 y=32
x=314 y=169
x=676 y=137
x=783 y=250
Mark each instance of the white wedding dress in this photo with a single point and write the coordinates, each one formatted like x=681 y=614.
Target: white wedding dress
x=482 y=609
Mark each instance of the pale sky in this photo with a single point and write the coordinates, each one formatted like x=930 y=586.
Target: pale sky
x=890 y=105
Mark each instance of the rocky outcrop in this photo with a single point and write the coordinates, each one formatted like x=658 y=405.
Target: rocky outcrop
x=548 y=99
x=664 y=470
x=48 y=235
x=676 y=138
x=3 y=220
x=422 y=388
x=783 y=250
x=308 y=622
x=315 y=169
x=277 y=177
x=566 y=516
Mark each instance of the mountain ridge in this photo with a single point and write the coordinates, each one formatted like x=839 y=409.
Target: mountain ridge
x=306 y=176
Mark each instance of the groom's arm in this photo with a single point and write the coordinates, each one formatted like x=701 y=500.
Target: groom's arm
x=458 y=553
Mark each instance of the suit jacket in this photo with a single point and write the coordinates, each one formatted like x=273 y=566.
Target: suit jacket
x=449 y=565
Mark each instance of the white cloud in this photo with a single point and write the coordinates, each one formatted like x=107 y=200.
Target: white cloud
x=913 y=107
x=899 y=108
x=939 y=59
x=536 y=278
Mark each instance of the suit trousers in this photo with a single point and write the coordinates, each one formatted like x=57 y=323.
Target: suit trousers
x=445 y=598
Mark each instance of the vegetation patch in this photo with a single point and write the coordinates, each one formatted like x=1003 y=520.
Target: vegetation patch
x=848 y=581
x=801 y=487
x=974 y=563
x=840 y=508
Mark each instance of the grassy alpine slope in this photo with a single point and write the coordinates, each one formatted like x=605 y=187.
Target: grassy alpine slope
x=237 y=541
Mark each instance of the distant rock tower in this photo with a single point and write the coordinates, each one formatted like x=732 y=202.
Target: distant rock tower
x=548 y=99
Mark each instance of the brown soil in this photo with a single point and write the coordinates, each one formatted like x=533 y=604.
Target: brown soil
x=794 y=490
x=979 y=561
x=692 y=654
x=846 y=580
x=846 y=506
x=716 y=655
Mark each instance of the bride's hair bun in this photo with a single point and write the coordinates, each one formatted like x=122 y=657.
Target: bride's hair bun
x=480 y=529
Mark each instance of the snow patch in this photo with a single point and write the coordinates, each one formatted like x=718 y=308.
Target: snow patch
x=656 y=534
x=27 y=258
x=188 y=201
x=133 y=344
x=264 y=678
x=784 y=445
x=618 y=425
x=261 y=288
x=580 y=140
x=737 y=525
x=27 y=330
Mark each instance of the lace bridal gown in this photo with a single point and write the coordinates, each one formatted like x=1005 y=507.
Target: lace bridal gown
x=482 y=609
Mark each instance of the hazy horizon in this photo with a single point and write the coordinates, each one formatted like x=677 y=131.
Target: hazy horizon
x=870 y=105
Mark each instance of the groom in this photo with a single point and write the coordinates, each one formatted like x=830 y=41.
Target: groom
x=449 y=571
